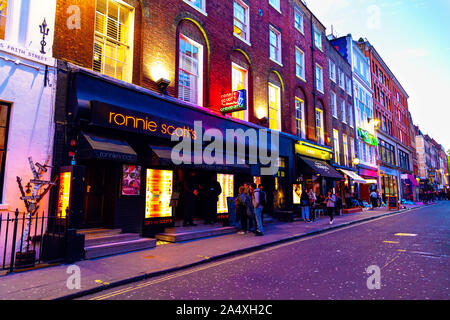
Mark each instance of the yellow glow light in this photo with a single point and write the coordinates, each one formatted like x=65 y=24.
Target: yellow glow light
x=64 y=194
x=227 y=183
x=159 y=193
x=406 y=234
x=261 y=112
x=158 y=71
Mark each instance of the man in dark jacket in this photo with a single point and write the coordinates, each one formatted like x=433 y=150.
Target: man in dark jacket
x=190 y=192
x=212 y=197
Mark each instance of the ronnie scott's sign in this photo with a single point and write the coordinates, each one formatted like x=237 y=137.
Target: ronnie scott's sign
x=233 y=102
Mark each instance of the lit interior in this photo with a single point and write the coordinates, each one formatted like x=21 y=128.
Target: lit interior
x=297 y=192
x=64 y=193
x=158 y=194
x=227 y=183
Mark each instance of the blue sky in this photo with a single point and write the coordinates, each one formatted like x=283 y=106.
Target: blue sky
x=413 y=38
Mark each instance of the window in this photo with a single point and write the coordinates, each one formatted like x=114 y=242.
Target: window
x=239 y=82
x=317 y=38
x=241 y=21
x=4 y=122
x=337 y=157
x=333 y=104
x=319 y=78
x=332 y=71
x=275 y=44
x=349 y=86
x=300 y=117
x=350 y=116
x=300 y=64
x=3 y=12
x=274 y=107
x=275 y=4
x=343 y=112
x=298 y=19
x=345 y=144
x=113 y=38
x=352 y=148
x=341 y=79
x=197 y=4
x=319 y=127
x=190 y=82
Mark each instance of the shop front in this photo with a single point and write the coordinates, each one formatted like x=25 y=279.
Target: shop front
x=388 y=183
x=348 y=187
x=138 y=173
x=314 y=170
x=409 y=186
x=370 y=176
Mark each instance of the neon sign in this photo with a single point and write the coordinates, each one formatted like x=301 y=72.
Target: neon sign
x=367 y=137
x=233 y=102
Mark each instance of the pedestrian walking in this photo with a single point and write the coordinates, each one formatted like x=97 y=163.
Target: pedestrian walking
x=312 y=205
x=330 y=201
x=258 y=207
x=241 y=209
x=250 y=210
x=339 y=205
x=304 y=203
x=263 y=201
x=374 y=199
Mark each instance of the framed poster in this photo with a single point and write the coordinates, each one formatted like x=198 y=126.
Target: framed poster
x=131 y=180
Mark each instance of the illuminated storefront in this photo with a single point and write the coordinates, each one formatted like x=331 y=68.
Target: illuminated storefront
x=64 y=194
x=158 y=194
x=227 y=183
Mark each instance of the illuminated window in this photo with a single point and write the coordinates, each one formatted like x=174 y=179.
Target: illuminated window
x=317 y=38
x=274 y=107
x=3 y=11
x=200 y=5
x=319 y=78
x=298 y=19
x=345 y=143
x=300 y=63
x=333 y=104
x=275 y=4
x=337 y=158
x=158 y=193
x=241 y=20
x=113 y=39
x=240 y=82
x=319 y=127
x=300 y=117
x=275 y=44
x=352 y=149
x=190 y=83
x=4 y=121
x=227 y=184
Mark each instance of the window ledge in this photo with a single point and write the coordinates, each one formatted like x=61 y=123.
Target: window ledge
x=277 y=62
x=299 y=30
x=243 y=40
x=196 y=8
x=304 y=80
x=278 y=10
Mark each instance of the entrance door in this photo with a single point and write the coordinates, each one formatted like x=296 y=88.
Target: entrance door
x=100 y=194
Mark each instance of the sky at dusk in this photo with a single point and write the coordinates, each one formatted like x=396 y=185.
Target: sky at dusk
x=413 y=38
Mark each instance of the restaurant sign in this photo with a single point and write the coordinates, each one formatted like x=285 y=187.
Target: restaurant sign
x=317 y=152
x=367 y=137
x=233 y=102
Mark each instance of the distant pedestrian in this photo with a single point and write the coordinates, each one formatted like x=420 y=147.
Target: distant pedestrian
x=330 y=201
x=374 y=199
x=241 y=209
x=258 y=206
x=339 y=205
x=263 y=201
x=312 y=204
x=304 y=203
x=250 y=210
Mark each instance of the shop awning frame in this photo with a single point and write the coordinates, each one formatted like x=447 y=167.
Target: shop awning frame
x=321 y=168
x=354 y=176
x=97 y=147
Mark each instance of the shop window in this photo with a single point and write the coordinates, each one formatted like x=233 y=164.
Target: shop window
x=275 y=44
x=3 y=15
x=239 y=82
x=190 y=82
x=227 y=184
x=274 y=107
x=241 y=21
x=300 y=117
x=158 y=193
x=113 y=39
x=4 y=123
x=319 y=127
x=337 y=157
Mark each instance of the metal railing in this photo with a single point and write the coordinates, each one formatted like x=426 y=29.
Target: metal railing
x=26 y=241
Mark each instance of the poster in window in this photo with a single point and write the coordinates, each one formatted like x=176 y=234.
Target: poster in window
x=131 y=180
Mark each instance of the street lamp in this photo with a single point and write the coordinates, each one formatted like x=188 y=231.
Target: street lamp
x=356 y=161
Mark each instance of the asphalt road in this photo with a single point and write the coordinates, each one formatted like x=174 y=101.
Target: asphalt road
x=411 y=250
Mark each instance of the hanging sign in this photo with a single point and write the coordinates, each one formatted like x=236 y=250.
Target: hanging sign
x=233 y=102
x=367 y=137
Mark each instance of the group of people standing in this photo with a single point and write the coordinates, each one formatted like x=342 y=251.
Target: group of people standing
x=310 y=202
x=249 y=208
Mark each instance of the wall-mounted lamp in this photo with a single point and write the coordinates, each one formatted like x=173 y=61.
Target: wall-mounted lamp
x=374 y=121
x=162 y=85
x=263 y=121
x=356 y=161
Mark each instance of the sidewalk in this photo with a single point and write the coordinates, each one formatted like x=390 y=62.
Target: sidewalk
x=102 y=273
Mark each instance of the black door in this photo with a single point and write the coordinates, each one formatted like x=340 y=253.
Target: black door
x=101 y=187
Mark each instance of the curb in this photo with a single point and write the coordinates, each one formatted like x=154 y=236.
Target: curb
x=225 y=255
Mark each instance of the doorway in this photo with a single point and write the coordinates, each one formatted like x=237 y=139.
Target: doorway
x=101 y=191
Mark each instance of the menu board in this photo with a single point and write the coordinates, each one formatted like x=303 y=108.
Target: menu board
x=63 y=194
x=392 y=203
x=158 y=193
x=227 y=183
x=131 y=180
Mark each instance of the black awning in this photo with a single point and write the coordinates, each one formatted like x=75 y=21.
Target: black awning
x=96 y=147
x=316 y=167
x=163 y=156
